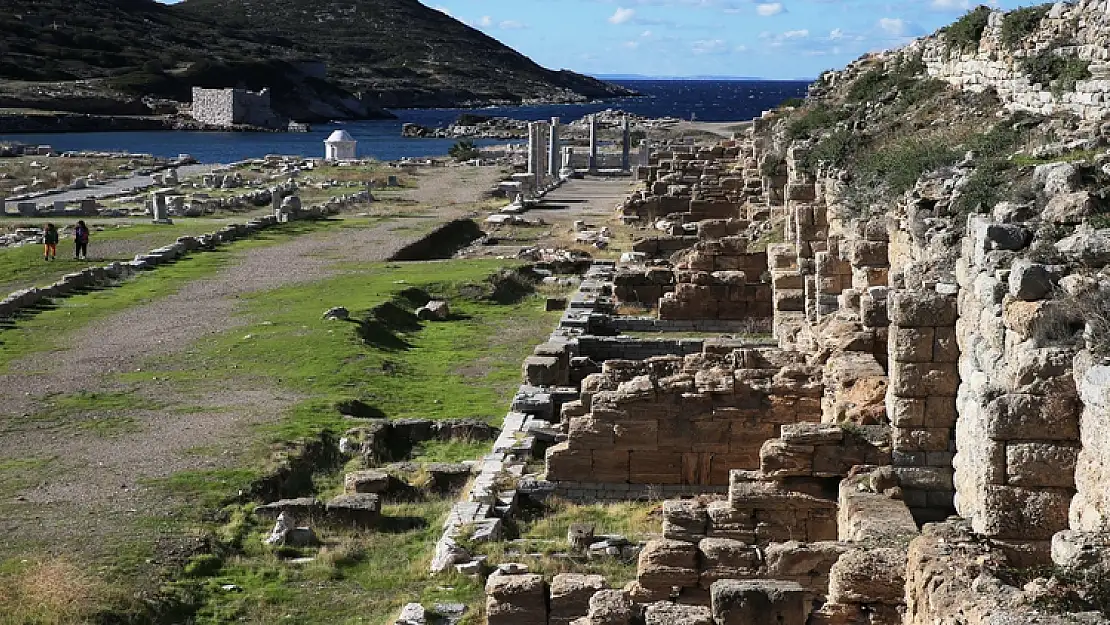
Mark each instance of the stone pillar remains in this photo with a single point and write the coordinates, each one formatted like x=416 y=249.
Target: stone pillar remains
x=275 y=201
x=593 y=143
x=533 y=152
x=626 y=146
x=553 y=154
x=158 y=206
x=921 y=398
x=645 y=153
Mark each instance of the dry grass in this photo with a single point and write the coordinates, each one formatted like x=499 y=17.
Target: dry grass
x=20 y=172
x=48 y=593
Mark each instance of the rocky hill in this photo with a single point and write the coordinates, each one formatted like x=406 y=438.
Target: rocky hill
x=123 y=57
x=401 y=51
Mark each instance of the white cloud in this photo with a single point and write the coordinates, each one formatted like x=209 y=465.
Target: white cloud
x=510 y=25
x=836 y=34
x=621 y=15
x=795 y=34
x=485 y=21
x=893 y=26
x=768 y=9
x=709 y=46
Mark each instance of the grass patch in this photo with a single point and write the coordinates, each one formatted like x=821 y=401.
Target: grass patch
x=17 y=474
x=55 y=328
x=450 y=451
x=1059 y=73
x=362 y=577
x=48 y=592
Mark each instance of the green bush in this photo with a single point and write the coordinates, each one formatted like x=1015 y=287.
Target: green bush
x=966 y=32
x=988 y=185
x=792 y=103
x=1020 y=23
x=900 y=165
x=833 y=149
x=1055 y=71
x=463 y=150
x=809 y=122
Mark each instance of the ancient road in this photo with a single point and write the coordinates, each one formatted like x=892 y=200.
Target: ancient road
x=115 y=187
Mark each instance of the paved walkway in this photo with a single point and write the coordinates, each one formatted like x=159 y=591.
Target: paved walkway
x=585 y=197
x=114 y=187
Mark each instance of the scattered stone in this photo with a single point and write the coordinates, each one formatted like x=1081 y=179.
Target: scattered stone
x=367 y=481
x=357 y=510
x=337 y=314
x=435 y=310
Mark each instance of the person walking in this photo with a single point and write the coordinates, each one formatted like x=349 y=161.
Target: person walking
x=50 y=242
x=81 y=240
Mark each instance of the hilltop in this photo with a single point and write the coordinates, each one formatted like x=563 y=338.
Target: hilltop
x=139 y=57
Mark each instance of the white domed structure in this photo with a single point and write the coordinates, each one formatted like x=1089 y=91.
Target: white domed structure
x=340 y=146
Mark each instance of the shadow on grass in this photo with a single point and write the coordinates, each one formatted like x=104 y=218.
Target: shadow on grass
x=401 y=524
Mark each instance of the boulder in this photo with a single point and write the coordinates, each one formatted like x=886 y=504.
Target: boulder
x=570 y=596
x=668 y=563
x=435 y=310
x=368 y=481
x=610 y=607
x=516 y=599
x=869 y=576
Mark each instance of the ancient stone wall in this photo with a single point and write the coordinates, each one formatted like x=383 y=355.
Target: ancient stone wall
x=1084 y=30
x=229 y=107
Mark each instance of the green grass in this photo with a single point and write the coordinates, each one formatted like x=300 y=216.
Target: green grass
x=966 y=33
x=1023 y=160
x=356 y=577
x=16 y=474
x=55 y=329
x=22 y=267
x=450 y=451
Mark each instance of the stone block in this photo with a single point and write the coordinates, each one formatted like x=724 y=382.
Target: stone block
x=666 y=613
x=795 y=559
x=610 y=466
x=912 y=379
x=590 y=433
x=368 y=481
x=1017 y=416
x=358 y=510
x=565 y=464
x=913 y=344
x=940 y=412
x=780 y=459
x=667 y=564
x=638 y=435
x=655 y=467
x=811 y=434
x=724 y=558
x=515 y=599
x=728 y=522
x=759 y=602
x=920 y=439
x=921 y=309
x=1041 y=464
x=684 y=520
x=1009 y=512
x=905 y=412
x=570 y=596
x=867 y=576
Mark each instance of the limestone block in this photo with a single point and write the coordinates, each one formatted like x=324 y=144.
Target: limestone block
x=666 y=613
x=793 y=559
x=728 y=522
x=368 y=481
x=1017 y=416
x=913 y=344
x=358 y=510
x=684 y=520
x=925 y=478
x=920 y=439
x=940 y=412
x=812 y=434
x=667 y=563
x=905 y=412
x=758 y=602
x=609 y=607
x=945 y=346
x=639 y=435
x=566 y=464
x=590 y=433
x=724 y=558
x=655 y=467
x=921 y=309
x=514 y=599
x=875 y=575
x=922 y=380
x=610 y=466
x=867 y=253
x=1029 y=281
x=1021 y=513
x=570 y=596
x=1041 y=464
x=641 y=595
x=778 y=458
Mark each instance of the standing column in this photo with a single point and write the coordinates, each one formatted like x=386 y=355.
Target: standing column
x=593 y=144
x=645 y=153
x=626 y=146
x=533 y=149
x=553 y=148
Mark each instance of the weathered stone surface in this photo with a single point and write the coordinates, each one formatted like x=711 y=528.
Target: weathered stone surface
x=435 y=310
x=723 y=558
x=1041 y=464
x=685 y=520
x=610 y=607
x=759 y=602
x=666 y=613
x=515 y=599
x=778 y=458
x=570 y=596
x=1029 y=281
x=359 y=509
x=869 y=576
x=668 y=563
x=921 y=309
x=793 y=559
x=367 y=481
x=811 y=433
x=301 y=509
x=1021 y=513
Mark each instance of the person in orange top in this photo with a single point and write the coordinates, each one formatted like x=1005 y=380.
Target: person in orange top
x=50 y=242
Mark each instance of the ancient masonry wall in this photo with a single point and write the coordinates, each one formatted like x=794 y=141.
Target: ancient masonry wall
x=1085 y=25
x=228 y=107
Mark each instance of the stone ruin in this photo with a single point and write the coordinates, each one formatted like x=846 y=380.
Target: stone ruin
x=888 y=423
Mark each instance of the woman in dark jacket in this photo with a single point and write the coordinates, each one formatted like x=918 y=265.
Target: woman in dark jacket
x=50 y=242
x=81 y=240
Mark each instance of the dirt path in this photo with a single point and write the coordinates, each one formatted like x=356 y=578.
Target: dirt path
x=106 y=473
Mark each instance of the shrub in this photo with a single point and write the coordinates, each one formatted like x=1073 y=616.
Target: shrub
x=811 y=121
x=463 y=150
x=792 y=103
x=966 y=32
x=1060 y=73
x=1020 y=23
x=833 y=149
x=901 y=164
x=987 y=186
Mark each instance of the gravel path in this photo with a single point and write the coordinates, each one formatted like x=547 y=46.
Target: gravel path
x=104 y=474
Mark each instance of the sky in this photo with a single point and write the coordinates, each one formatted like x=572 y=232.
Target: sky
x=782 y=39
x=775 y=39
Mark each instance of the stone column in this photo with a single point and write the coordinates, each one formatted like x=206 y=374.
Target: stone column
x=626 y=146
x=645 y=153
x=158 y=206
x=593 y=143
x=533 y=149
x=275 y=201
x=553 y=155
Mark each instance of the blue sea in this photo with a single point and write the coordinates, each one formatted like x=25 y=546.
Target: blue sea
x=706 y=100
